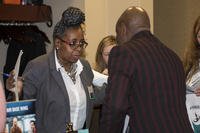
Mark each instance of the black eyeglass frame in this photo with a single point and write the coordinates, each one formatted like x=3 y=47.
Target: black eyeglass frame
x=74 y=44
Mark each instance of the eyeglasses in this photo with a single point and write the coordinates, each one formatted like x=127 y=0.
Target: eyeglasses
x=75 y=44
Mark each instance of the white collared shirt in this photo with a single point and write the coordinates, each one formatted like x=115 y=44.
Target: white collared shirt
x=76 y=93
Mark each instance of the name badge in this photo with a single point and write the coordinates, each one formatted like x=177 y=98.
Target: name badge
x=83 y=131
x=91 y=92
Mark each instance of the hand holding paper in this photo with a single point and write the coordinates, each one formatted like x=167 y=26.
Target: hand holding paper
x=16 y=70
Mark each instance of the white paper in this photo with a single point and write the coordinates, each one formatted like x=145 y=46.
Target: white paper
x=126 y=124
x=194 y=82
x=99 y=78
x=17 y=65
x=193 y=109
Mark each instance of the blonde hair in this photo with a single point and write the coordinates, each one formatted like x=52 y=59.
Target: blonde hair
x=192 y=52
x=100 y=64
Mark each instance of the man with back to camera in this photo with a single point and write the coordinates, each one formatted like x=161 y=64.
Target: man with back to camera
x=147 y=81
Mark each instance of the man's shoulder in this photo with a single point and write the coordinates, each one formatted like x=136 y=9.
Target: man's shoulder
x=122 y=50
x=119 y=48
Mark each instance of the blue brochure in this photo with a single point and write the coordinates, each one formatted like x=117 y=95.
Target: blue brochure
x=20 y=116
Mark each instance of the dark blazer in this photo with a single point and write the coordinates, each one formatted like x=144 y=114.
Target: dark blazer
x=146 y=82
x=45 y=83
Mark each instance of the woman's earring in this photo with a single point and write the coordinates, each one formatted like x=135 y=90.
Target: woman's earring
x=57 y=48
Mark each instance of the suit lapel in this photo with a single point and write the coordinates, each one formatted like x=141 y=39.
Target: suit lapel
x=59 y=80
x=84 y=82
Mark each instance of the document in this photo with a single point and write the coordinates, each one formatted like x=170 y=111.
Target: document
x=99 y=79
x=16 y=69
x=22 y=114
x=194 y=82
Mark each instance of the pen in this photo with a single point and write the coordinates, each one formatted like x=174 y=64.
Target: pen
x=5 y=74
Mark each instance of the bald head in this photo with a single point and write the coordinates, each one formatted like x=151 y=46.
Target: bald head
x=133 y=20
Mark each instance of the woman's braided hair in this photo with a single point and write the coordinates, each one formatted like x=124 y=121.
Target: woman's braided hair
x=71 y=17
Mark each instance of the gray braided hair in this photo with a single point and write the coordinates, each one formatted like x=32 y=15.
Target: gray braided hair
x=71 y=17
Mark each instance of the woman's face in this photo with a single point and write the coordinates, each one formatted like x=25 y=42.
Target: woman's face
x=198 y=36
x=106 y=52
x=67 y=53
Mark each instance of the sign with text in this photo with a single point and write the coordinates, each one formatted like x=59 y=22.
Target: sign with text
x=20 y=116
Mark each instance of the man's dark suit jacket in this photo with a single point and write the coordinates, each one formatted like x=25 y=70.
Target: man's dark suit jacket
x=147 y=82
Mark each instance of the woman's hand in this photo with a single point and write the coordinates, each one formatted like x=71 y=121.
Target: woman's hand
x=105 y=71
x=10 y=82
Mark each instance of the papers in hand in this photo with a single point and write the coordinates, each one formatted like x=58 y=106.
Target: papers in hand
x=17 y=65
x=99 y=79
x=194 y=82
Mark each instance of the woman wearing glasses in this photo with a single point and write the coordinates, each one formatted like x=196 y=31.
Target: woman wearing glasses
x=61 y=82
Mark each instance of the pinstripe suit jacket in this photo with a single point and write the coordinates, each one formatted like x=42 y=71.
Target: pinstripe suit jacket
x=45 y=83
x=146 y=82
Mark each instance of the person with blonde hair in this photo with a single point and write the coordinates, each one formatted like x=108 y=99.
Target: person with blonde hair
x=101 y=67
x=191 y=62
x=102 y=54
x=191 y=59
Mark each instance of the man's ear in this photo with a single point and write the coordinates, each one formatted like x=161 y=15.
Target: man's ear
x=123 y=29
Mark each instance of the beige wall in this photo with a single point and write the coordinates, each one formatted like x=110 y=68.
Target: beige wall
x=95 y=25
x=148 y=6
x=173 y=22
x=101 y=17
